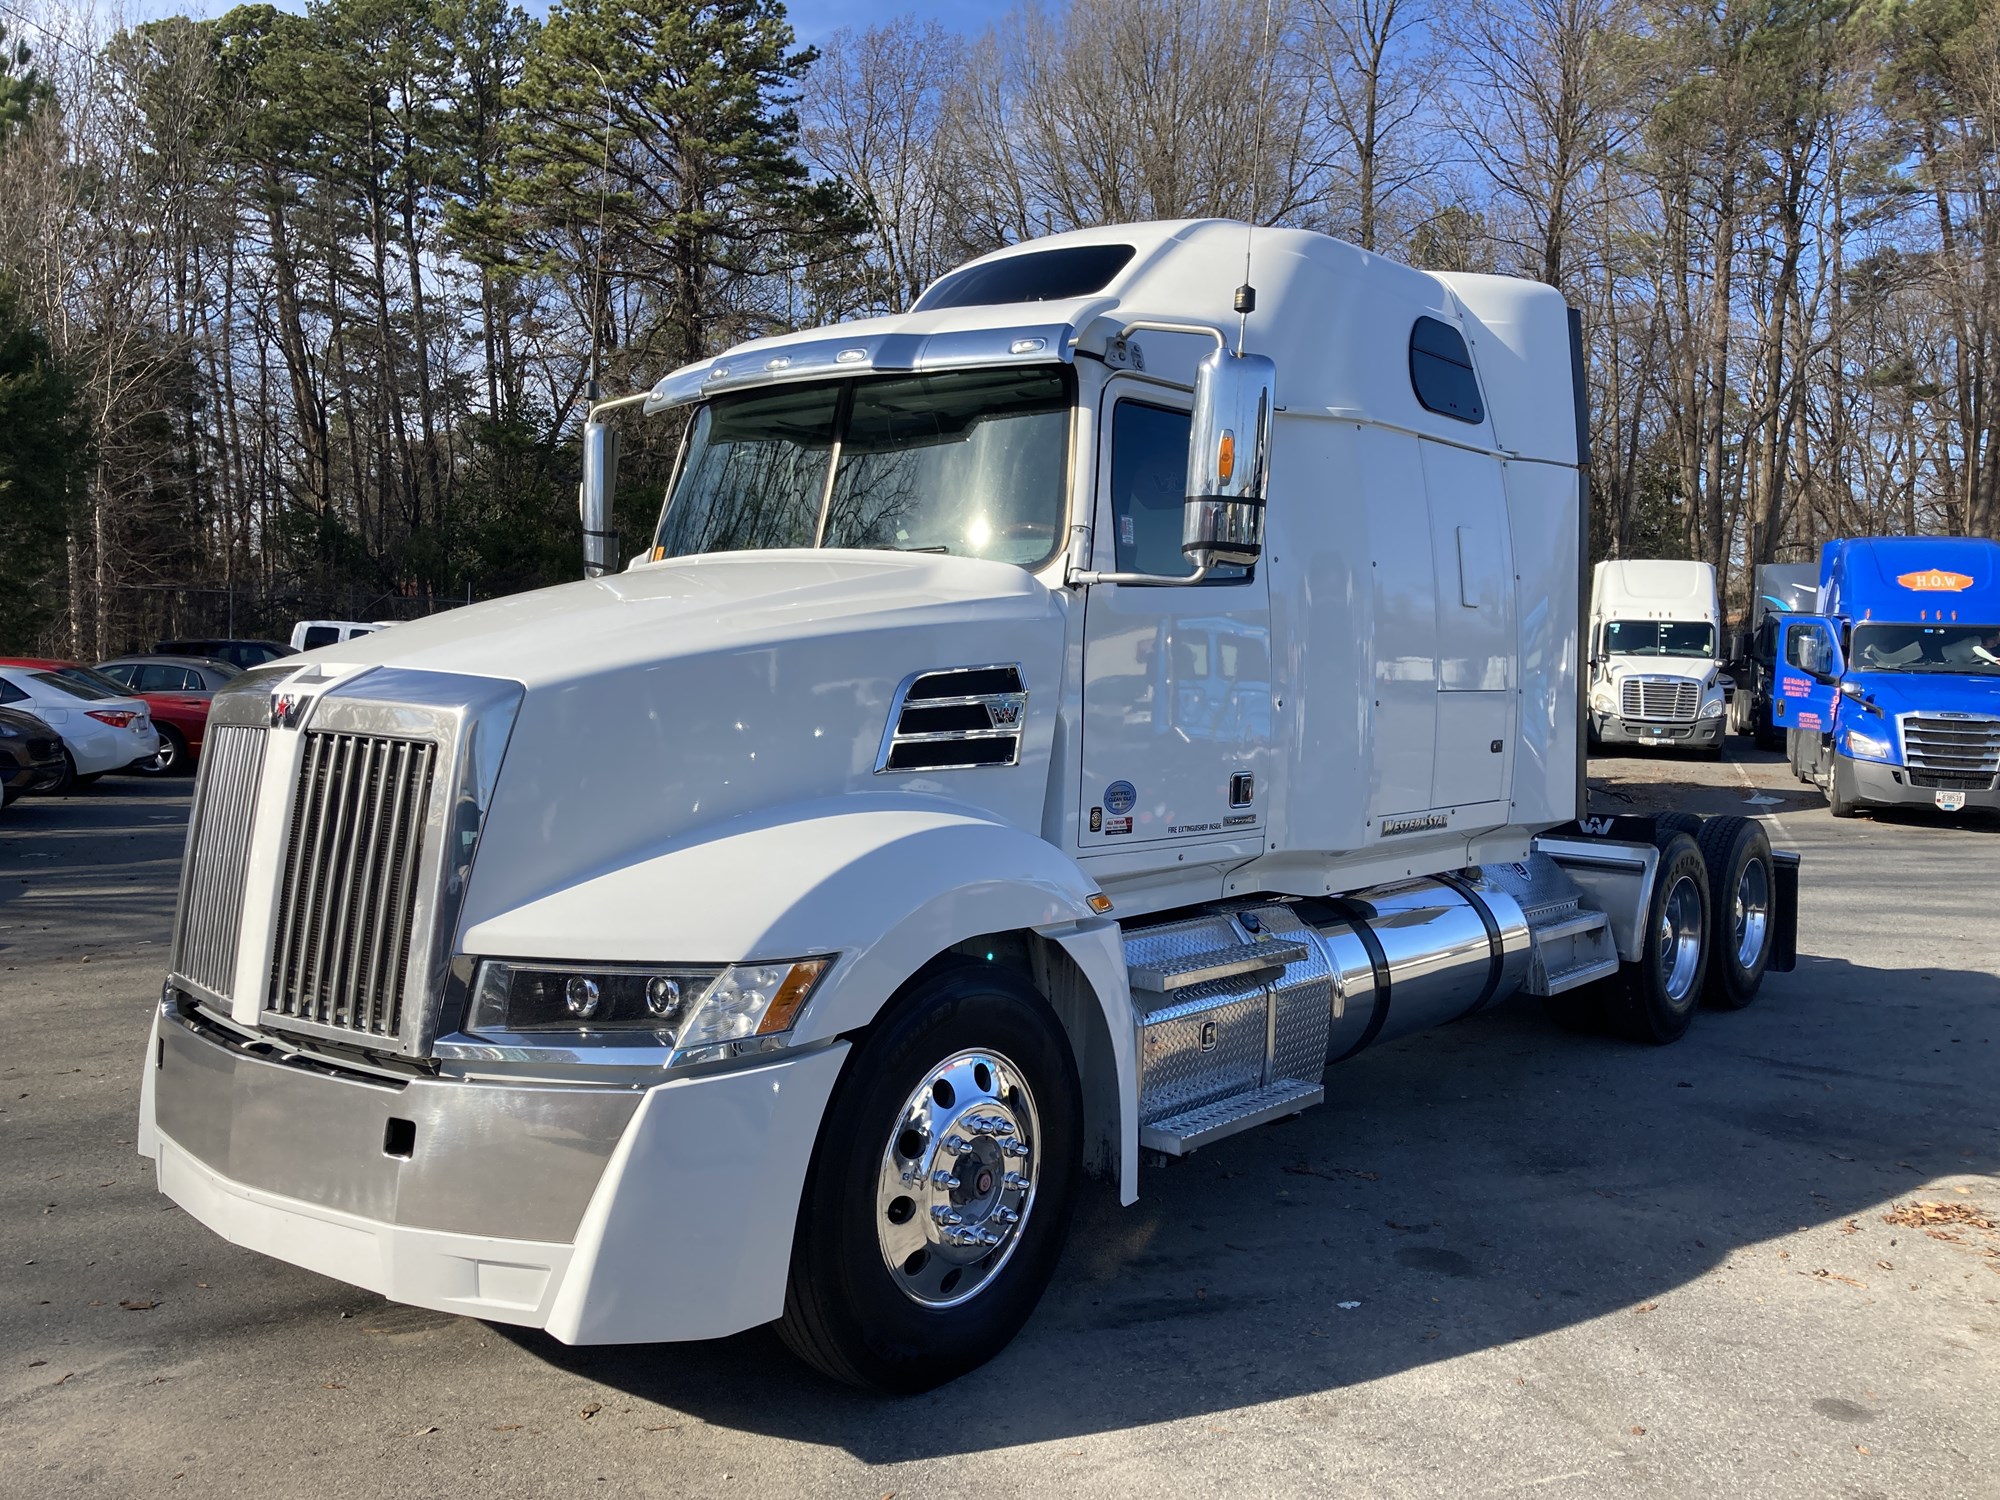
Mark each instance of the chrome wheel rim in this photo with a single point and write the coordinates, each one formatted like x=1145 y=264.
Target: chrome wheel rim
x=957 y=1179
x=1680 y=938
x=1752 y=912
x=163 y=758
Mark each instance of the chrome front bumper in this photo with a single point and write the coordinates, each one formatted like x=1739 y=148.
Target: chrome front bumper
x=604 y=1215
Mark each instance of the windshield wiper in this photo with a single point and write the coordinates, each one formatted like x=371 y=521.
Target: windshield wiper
x=940 y=547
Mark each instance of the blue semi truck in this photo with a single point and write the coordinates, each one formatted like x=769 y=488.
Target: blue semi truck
x=1889 y=696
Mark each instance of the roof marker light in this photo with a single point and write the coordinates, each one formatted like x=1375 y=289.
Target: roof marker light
x=850 y=356
x=1027 y=346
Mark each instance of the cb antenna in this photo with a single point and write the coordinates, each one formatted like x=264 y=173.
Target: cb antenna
x=1246 y=294
x=597 y=274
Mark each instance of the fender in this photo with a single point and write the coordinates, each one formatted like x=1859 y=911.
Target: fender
x=886 y=883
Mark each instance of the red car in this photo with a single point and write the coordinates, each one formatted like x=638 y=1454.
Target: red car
x=178 y=690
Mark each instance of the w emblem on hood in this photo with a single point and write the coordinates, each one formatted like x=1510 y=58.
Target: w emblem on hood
x=1004 y=712
x=287 y=709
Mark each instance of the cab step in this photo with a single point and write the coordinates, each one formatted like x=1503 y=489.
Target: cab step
x=1179 y=1134
x=1571 y=952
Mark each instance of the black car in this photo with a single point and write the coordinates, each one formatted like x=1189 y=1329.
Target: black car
x=31 y=755
x=242 y=654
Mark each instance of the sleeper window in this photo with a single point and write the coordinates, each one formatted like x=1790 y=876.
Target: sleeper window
x=1441 y=372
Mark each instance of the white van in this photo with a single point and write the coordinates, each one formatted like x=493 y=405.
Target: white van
x=310 y=635
x=1655 y=671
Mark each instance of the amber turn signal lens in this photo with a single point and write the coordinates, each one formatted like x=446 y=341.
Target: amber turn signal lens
x=1225 y=456
x=791 y=996
x=1100 y=903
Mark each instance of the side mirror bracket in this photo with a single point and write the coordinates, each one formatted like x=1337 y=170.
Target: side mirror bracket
x=600 y=483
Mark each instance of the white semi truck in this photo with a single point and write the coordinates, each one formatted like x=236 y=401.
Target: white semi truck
x=1655 y=669
x=966 y=789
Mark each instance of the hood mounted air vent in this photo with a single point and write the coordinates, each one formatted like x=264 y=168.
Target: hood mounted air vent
x=955 y=720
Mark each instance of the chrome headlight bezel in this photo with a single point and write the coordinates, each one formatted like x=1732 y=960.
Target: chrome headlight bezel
x=1860 y=745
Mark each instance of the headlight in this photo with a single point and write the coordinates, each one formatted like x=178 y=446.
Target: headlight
x=1868 y=746
x=9 y=732
x=1712 y=709
x=692 y=1011
x=1603 y=700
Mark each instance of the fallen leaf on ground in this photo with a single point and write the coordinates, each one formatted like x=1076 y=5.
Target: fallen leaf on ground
x=1919 y=1215
x=1646 y=1307
x=591 y=1410
x=1638 y=1432
x=423 y=1432
x=1825 y=1275
x=509 y=1427
x=1850 y=1227
x=134 y=1305
x=33 y=1362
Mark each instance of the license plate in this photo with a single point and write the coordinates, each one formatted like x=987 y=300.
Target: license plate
x=1951 y=801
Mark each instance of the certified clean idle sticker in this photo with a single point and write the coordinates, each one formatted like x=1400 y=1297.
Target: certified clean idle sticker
x=1120 y=798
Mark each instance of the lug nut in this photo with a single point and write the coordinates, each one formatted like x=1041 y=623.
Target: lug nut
x=1006 y=1216
x=955 y=1145
x=1012 y=1147
x=943 y=1179
x=945 y=1215
x=1016 y=1181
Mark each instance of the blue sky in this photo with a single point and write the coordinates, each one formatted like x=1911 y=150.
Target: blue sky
x=814 y=19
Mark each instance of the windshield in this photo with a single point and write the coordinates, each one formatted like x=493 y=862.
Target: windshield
x=971 y=463
x=1659 y=638
x=1928 y=648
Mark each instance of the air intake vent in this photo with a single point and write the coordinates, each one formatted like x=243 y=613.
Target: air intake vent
x=956 y=720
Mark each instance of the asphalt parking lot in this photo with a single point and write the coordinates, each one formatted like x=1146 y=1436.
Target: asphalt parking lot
x=1581 y=1267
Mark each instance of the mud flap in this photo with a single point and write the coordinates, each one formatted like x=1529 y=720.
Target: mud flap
x=1785 y=941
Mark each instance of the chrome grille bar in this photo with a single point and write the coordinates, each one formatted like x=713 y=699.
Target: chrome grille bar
x=1672 y=699
x=1961 y=754
x=217 y=858
x=342 y=953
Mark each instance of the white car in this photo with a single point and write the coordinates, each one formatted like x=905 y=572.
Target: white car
x=101 y=730
x=310 y=635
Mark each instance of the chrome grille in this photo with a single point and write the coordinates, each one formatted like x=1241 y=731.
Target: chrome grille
x=1674 y=699
x=218 y=853
x=1955 y=753
x=956 y=720
x=345 y=917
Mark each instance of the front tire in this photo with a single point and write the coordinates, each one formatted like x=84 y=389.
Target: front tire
x=1839 y=801
x=941 y=1188
x=1654 y=999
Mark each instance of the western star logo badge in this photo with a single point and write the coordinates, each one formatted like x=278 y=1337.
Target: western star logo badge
x=1004 y=713
x=1936 y=581
x=1415 y=824
x=287 y=709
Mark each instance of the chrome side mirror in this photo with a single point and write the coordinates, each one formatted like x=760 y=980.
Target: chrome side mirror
x=600 y=482
x=1229 y=454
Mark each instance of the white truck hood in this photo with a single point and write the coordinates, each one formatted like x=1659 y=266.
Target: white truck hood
x=691 y=606
x=683 y=695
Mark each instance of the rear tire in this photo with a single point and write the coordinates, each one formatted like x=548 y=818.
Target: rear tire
x=1678 y=822
x=172 y=759
x=970 y=1054
x=1761 y=731
x=1742 y=883
x=70 y=782
x=1654 y=999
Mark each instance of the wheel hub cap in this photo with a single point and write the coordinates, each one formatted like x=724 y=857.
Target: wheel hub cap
x=1680 y=939
x=1752 y=912
x=958 y=1178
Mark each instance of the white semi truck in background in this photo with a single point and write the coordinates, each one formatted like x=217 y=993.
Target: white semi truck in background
x=1655 y=672
x=1050 y=724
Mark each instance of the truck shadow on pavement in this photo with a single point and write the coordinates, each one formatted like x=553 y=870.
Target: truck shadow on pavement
x=1469 y=1189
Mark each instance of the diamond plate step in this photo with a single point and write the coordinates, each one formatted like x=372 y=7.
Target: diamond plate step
x=1571 y=953
x=1181 y=971
x=1179 y=1134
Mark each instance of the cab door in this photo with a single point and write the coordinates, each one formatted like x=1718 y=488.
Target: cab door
x=1176 y=681
x=1808 y=671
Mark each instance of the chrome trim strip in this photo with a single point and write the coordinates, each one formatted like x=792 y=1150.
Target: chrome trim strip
x=891 y=737
x=872 y=354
